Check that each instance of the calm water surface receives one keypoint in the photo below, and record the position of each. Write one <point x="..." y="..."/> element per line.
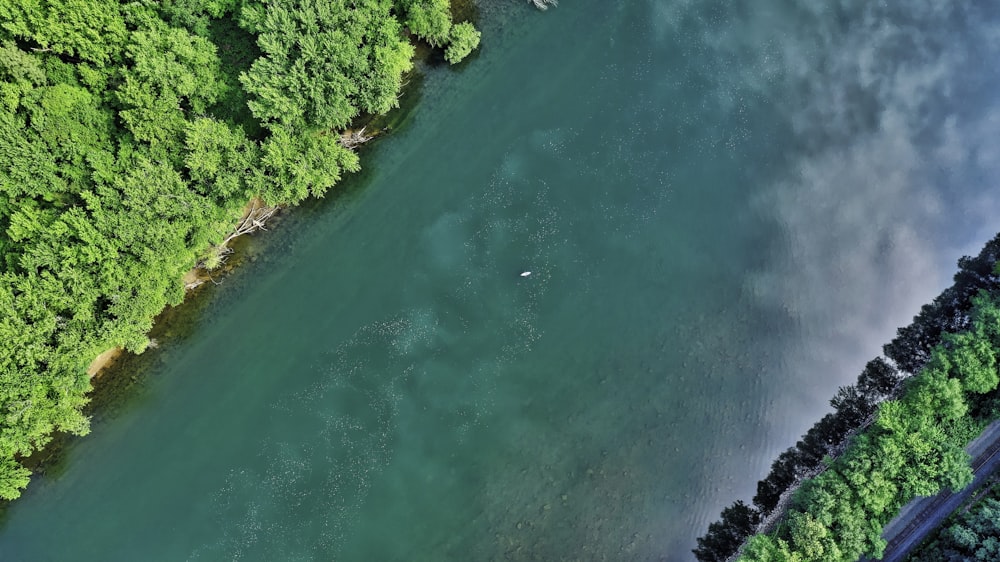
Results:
<point x="726" y="211"/>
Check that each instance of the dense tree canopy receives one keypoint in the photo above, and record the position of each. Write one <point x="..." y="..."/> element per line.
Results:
<point x="324" y="61"/>
<point x="88" y="30"/>
<point x="132" y="136"/>
<point x="464" y="40"/>
<point x="428" y="19"/>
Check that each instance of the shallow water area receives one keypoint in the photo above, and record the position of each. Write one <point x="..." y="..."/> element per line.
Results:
<point x="726" y="211"/>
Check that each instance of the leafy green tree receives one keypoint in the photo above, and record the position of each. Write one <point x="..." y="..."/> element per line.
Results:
<point x="986" y="318"/>
<point x="195" y="15"/>
<point x="324" y="63"/>
<point x="934" y="394"/>
<point x="173" y="78"/>
<point x="974" y="361"/>
<point x="219" y="158"/>
<point x="91" y="30"/>
<point x="430" y="20"/>
<point x="13" y="478"/>
<point x="20" y="73"/>
<point x="293" y="167"/>
<point x="171" y="60"/>
<point x="762" y="548"/>
<point x="464" y="40"/>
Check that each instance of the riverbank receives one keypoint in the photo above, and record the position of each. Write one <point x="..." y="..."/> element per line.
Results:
<point x="116" y="374"/>
<point x="255" y="214"/>
<point x="103" y="360"/>
<point x="92" y="267"/>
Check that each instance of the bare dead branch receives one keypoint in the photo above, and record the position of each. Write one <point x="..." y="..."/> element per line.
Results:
<point x="353" y="139"/>
<point x="544" y="4"/>
<point x="253" y="221"/>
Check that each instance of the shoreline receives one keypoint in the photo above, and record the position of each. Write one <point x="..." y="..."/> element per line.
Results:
<point x="103" y="361"/>
<point x="114" y="372"/>
<point x="255" y="213"/>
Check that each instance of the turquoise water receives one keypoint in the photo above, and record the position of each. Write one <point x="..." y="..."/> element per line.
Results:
<point x="726" y="211"/>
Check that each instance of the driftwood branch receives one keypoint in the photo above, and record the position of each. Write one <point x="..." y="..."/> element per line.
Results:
<point x="216" y="255"/>
<point x="402" y="89"/>
<point x="354" y="139"/>
<point x="253" y="221"/>
<point x="544" y="4"/>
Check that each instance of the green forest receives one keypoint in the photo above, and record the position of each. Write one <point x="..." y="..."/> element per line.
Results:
<point x="132" y="137"/>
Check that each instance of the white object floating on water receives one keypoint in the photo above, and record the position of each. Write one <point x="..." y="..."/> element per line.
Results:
<point x="525" y="273"/>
